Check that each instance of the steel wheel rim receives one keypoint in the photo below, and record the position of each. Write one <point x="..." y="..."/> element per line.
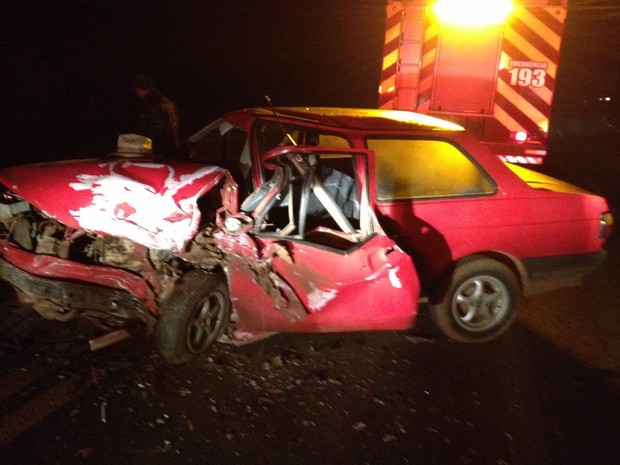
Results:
<point x="480" y="303"/>
<point x="205" y="322"/>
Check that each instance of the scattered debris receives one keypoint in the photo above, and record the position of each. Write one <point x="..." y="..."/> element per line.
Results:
<point x="108" y="339"/>
<point x="421" y="339"/>
<point x="102" y="412"/>
<point x="83" y="452"/>
<point x="276" y="362"/>
<point x="184" y="392"/>
<point x="359" y="426"/>
<point x="389" y="438"/>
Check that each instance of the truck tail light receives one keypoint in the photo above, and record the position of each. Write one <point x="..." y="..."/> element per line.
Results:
<point x="605" y="225"/>
<point x="522" y="136"/>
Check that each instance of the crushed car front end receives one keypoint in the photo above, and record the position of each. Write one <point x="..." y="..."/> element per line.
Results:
<point x="107" y="238"/>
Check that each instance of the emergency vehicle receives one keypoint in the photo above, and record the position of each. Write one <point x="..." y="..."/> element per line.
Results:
<point x="488" y="65"/>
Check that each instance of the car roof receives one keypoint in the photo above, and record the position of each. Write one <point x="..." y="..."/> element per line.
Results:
<point x="351" y="118"/>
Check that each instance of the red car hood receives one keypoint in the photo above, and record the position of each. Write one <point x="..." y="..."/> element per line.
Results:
<point x="153" y="202"/>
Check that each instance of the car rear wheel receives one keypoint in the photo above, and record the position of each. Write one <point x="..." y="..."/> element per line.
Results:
<point x="480" y="302"/>
<point x="193" y="317"/>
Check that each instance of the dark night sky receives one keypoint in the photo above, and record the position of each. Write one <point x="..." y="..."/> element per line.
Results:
<point x="67" y="65"/>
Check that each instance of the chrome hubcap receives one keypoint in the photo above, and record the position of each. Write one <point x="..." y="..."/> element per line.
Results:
<point x="480" y="303"/>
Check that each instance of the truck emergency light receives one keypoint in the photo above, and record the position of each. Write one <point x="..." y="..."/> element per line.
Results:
<point x="473" y="12"/>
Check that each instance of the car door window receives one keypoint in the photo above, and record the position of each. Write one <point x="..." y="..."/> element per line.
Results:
<point x="314" y="202"/>
<point x="227" y="146"/>
<point x="416" y="168"/>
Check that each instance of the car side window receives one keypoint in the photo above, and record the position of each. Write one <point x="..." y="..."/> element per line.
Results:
<point x="222" y="145"/>
<point x="309" y="200"/>
<point x="417" y="168"/>
<point x="226" y="146"/>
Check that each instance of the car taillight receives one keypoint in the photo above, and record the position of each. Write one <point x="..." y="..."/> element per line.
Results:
<point x="605" y="225"/>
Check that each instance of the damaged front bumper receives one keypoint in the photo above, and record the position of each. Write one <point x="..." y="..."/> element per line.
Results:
<point x="62" y="299"/>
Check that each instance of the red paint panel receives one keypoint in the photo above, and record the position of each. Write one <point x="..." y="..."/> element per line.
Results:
<point x="47" y="266"/>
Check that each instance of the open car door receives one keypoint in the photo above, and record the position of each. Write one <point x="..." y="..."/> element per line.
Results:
<point x="307" y="254"/>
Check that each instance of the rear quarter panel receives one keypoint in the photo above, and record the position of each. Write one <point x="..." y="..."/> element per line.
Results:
<point x="518" y="221"/>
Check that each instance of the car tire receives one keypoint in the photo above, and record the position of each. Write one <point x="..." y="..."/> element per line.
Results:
<point x="193" y="317"/>
<point x="480" y="302"/>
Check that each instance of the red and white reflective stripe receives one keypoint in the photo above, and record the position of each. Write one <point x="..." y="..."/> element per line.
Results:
<point x="536" y="152"/>
<point x="522" y="160"/>
<point x="531" y="38"/>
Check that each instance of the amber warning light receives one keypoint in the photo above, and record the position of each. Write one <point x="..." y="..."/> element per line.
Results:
<point x="473" y="12"/>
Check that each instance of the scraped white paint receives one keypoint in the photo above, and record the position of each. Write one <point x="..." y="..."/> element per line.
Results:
<point x="124" y="207"/>
<point x="392" y="276"/>
<point x="373" y="277"/>
<point x="394" y="279"/>
<point x="318" y="298"/>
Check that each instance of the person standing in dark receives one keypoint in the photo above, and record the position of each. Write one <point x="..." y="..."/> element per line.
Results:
<point x="157" y="116"/>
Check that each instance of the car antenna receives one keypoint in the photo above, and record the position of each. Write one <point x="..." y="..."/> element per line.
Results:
<point x="275" y="113"/>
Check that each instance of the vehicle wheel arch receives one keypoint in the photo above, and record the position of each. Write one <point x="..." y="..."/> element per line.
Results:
<point x="441" y="283"/>
<point x="193" y="315"/>
<point x="477" y="299"/>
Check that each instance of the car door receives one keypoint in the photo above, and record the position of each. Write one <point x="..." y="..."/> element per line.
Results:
<point x="308" y="253"/>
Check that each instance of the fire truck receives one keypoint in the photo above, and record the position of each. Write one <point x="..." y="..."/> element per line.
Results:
<point x="488" y="65"/>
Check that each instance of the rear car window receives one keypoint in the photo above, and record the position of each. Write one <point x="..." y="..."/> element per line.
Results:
<point x="415" y="168"/>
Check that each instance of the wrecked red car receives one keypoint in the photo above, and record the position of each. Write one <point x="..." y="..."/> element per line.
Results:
<point x="300" y="220"/>
<point x="166" y="242"/>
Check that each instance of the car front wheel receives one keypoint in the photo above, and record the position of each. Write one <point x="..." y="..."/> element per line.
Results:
<point x="194" y="316"/>
<point x="480" y="302"/>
